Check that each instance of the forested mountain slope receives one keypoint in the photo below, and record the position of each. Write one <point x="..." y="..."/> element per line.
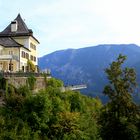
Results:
<point x="86" y="65"/>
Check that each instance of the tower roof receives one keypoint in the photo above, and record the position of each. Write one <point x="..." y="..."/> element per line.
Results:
<point x="22" y="29"/>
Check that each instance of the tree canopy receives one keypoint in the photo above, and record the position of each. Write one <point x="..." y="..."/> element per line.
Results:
<point x="54" y="115"/>
<point x="50" y="114"/>
<point x="119" y="115"/>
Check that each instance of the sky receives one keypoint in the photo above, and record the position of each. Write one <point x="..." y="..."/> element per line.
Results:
<point x="63" y="24"/>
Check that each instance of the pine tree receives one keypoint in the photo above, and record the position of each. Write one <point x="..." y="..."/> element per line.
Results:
<point x="119" y="114"/>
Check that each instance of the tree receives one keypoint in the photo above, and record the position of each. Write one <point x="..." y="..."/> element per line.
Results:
<point x="120" y="112"/>
<point x="31" y="66"/>
<point x="54" y="83"/>
<point x="48" y="114"/>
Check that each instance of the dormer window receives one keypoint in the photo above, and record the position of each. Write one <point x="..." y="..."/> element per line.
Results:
<point x="14" y="26"/>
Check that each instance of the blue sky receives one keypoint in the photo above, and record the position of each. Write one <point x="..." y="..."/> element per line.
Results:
<point x="62" y="24"/>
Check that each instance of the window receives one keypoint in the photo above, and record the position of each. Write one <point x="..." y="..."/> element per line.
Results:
<point x="31" y="57"/>
<point x="27" y="68"/>
<point x="10" y="66"/>
<point x="11" y="52"/>
<point x="32" y="46"/>
<point x="23" y="68"/>
<point x="27" y="56"/>
<point x="23" y="54"/>
<point x="34" y="58"/>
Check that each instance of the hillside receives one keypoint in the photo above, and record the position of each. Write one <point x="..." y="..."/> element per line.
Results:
<point x="86" y="65"/>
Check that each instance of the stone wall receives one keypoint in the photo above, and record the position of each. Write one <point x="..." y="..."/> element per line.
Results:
<point x="21" y="81"/>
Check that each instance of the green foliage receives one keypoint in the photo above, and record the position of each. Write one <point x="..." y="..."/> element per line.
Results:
<point x="54" y="115"/>
<point x="31" y="82"/>
<point x="54" y="83"/>
<point x="24" y="91"/>
<point x="2" y="82"/>
<point x="76" y="102"/>
<point x="31" y="66"/>
<point x="14" y="129"/>
<point x="50" y="114"/>
<point x="118" y="116"/>
<point x="67" y="126"/>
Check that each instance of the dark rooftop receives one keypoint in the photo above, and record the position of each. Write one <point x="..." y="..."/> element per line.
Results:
<point x="8" y="42"/>
<point x="22" y="29"/>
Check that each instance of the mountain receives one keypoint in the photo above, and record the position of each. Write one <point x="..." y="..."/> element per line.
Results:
<point x="87" y="65"/>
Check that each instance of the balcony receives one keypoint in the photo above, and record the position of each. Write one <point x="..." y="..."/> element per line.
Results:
<point x="9" y="57"/>
<point x="73" y="87"/>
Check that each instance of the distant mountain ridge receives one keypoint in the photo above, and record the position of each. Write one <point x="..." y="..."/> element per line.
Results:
<point x="86" y="65"/>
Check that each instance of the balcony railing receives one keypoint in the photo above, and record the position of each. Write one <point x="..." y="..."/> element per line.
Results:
<point x="73" y="87"/>
<point x="9" y="57"/>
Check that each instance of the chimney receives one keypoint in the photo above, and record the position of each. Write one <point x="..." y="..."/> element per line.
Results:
<point x="14" y="26"/>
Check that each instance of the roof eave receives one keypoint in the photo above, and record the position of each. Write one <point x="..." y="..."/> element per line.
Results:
<point x="35" y="39"/>
<point x="17" y="35"/>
